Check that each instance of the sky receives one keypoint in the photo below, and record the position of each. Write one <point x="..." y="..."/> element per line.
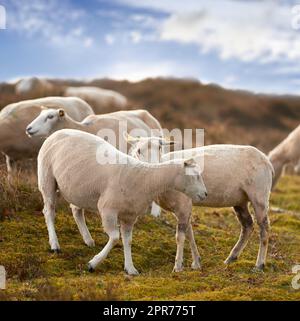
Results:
<point x="240" y="44"/>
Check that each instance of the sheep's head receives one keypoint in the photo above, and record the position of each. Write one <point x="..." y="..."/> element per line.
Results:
<point x="192" y="183"/>
<point x="48" y="121"/>
<point x="147" y="149"/>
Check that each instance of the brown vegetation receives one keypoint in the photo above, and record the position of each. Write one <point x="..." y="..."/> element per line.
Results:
<point x="228" y="116"/>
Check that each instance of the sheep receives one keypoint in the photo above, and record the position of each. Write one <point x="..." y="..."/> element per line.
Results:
<point x="34" y="87"/>
<point x="14" y="118"/>
<point x="139" y="121"/>
<point x="287" y="152"/>
<point x="100" y="99"/>
<point x="77" y="163"/>
<point x="234" y="175"/>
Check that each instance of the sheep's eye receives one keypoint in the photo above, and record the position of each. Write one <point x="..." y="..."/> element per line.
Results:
<point x="50" y="116"/>
<point x="139" y="151"/>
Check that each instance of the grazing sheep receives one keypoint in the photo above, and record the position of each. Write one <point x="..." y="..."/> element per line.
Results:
<point x="14" y="143"/>
<point x="234" y="176"/>
<point x="80" y="165"/>
<point x="35" y="87"/>
<point x="287" y="152"/>
<point x="101" y="100"/>
<point x="140" y="121"/>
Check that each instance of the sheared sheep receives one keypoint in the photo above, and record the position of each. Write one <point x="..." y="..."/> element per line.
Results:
<point x="100" y="99"/>
<point x="79" y="165"/>
<point x="234" y="176"/>
<point x="14" y="143"/>
<point x="34" y="87"/>
<point x="111" y="125"/>
<point x="287" y="152"/>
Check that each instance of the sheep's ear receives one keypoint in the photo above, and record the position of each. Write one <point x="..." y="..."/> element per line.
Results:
<point x="61" y="113"/>
<point x="130" y="139"/>
<point x="190" y="162"/>
<point x="44" y="107"/>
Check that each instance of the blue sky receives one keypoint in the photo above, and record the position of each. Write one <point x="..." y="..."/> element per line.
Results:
<point x="251" y="44"/>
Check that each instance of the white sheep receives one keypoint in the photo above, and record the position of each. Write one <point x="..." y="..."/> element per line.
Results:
<point x="77" y="163"/>
<point x="14" y="143"/>
<point x="100" y="99"/>
<point x="287" y="152"/>
<point x="234" y="176"/>
<point x="111" y="125"/>
<point x="34" y="87"/>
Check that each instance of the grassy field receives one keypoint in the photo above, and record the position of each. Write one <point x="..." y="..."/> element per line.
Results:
<point x="36" y="274"/>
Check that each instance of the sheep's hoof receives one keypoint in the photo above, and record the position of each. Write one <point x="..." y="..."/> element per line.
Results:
<point x="259" y="269"/>
<point x="90" y="243"/>
<point x="177" y="269"/>
<point x="56" y="251"/>
<point x="90" y="268"/>
<point x="230" y="259"/>
<point x="196" y="265"/>
<point x="132" y="271"/>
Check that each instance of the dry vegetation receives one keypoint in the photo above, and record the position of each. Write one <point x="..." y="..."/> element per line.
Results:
<point x="228" y="116"/>
<point x="235" y="117"/>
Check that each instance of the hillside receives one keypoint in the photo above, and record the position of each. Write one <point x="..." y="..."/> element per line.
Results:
<point x="228" y="116"/>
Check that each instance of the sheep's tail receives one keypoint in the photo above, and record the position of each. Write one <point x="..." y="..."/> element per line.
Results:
<point x="271" y="167"/>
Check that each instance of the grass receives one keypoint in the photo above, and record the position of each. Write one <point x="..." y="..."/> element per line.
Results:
<point x="33" y="273"/>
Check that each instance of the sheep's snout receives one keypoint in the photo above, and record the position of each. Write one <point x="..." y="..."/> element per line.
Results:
<point x="30" y="132"/>
<point x="202" y="196"/>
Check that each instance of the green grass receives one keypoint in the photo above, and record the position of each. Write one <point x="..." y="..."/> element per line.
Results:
<point x="36" y="274"/>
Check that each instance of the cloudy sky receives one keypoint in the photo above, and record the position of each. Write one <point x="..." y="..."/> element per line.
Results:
<point x="251" y="44"/>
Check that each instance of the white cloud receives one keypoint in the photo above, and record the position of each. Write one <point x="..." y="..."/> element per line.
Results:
<point x="135" y="36"/>
<point x="55" y="21"/>
<point x="246" y="30"/>
<point x="109" y="39"/>
<point x="135" y="71"/>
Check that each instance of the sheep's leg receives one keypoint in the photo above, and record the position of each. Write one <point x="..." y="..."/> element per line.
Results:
<point x="246" y="222"/>
<point x="47" y="187"/>
<point x="261" y="213"/>
<point x="110" y="226"/>
<point x="79" y="218"/>
<point x="195" y="253"/>
<point x="11" y="168"/>
<point x="180" y="238"/>
<point x="126" y="232"/>
<point x="49" y="214"/>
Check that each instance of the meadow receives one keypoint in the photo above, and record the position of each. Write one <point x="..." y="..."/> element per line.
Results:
<point x="36" y="274"/>
<point x="33" y="273"/>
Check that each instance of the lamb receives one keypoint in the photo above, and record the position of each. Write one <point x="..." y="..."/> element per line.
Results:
<point x="287" y="152"/>
<point x="77" y="163"/>
<point x="101" y="100"/>
<point x="234" y="176"/>
<point x="111" y="125"/>
<point x="14" y="118"/>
